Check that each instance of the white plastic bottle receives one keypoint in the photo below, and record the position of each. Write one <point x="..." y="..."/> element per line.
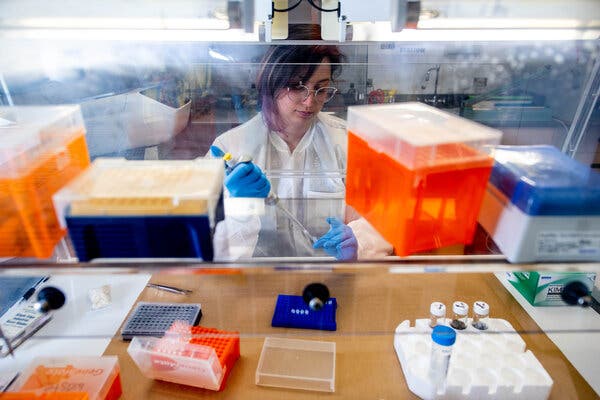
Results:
<point x="437" y="314"/>
<point x="460" y="317"/>
<point x="443" y="338"/>
<point x="481" y="314"/>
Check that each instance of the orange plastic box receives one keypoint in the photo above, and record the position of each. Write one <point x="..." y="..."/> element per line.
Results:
<point x="45" y="396"/>
<point x="189" y="355"/>
<point x="41" y="149"/>
<point x="418" y="174"/>
<point x="73" y="378"/>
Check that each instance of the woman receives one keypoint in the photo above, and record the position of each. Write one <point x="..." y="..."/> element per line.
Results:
<point x="291" y="133"/>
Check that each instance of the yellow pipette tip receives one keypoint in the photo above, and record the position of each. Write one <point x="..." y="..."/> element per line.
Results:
<point x="227" y="156"/>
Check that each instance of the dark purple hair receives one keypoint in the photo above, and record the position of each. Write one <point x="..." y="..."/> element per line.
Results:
<point x="283" y="65"/>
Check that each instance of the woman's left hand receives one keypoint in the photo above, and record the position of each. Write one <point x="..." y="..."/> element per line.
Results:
<point x="339" y="241"/>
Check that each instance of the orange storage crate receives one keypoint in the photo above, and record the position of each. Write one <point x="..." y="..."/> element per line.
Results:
<point x="417" y="174"/>
<point x="69" y="378"/>
<point x="41" y="149"/>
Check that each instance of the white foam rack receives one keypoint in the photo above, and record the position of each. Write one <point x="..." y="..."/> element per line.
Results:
<point x="490" y="364"/>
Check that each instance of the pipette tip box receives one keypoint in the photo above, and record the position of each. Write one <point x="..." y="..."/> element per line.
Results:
<point x="292" y="312"/>
<point x="417" y="173"/>
<point x="189" y="355"/>
<point x="41" y="149"/>
<point x="71" y="377"/>
<point x="541" y="205"/>
<point x="143" y="209"/>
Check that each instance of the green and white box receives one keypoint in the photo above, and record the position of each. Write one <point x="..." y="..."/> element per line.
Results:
<point x="545" y="288"/>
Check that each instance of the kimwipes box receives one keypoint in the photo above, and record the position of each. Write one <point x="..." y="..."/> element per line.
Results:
<point x="545" y="288"/>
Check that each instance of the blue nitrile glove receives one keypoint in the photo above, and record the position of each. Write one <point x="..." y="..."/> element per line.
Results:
<point x="247" y="180"/>
<point x="339" y="241"/>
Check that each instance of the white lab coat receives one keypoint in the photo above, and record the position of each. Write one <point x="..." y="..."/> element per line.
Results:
<point x="319" y="161"/>
<point x="322" y="149"/>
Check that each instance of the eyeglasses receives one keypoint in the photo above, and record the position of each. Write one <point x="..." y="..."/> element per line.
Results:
<point x="300" y="93"/>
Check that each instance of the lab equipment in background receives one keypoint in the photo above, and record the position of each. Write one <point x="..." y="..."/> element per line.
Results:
<point x="189" y="355"/>
<point x="159" y="209"/>
<point x="98" y="378"/>
<point x="460" y="315"/>
<point x="117" y="123"/>
<point x="24" y="320"/>
<point x="443" y="338"/>
<point x="507" y="111"/>
<point x="41" y="149"/>
<point x="154" y="319"/>
<point x="437" y="314"/>
<point x="481" y="315"/>
<point x="545" y="288"/>
<point x="417" y="174"/>
<point x="425" y="83"/>
<point x="541" y="205"/>
<point x="297" y="364"/>
<point x="351" y="96"/>
<point x="511" y="373"/>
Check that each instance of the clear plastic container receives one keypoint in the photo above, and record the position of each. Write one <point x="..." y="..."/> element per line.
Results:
<point x="41" y="149"/>
<point x="437" y="162"/>
<point x="297" y="364"/>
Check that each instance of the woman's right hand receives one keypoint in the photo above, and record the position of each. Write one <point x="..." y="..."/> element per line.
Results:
<point x="247" y="180"/>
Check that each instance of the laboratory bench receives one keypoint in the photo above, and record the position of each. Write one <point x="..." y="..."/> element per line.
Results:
<point x="373" y="299"/>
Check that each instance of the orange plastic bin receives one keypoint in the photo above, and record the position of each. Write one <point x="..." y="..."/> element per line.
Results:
<point x="41" y="149"/>
<point x="418" y="174"/>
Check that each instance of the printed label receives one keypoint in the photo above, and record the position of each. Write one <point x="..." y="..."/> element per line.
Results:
<point x="579" y="244"/>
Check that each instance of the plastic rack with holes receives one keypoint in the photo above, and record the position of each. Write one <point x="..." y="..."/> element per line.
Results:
<point x="189" y="355"/>
<point x="490" y="364"/>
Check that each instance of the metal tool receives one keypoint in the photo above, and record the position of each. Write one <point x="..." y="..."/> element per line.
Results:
<point x="8" y="343"/>
<point x="272" y="198"/>
<point x="171" y="289"/>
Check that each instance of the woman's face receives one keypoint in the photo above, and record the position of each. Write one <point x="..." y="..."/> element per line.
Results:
<point x="297" y="116"/>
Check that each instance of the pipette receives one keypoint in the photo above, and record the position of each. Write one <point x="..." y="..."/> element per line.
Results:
<point x="272" y="198"/>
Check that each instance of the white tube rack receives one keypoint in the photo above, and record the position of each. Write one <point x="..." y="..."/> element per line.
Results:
<point x="490" y="364"/>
